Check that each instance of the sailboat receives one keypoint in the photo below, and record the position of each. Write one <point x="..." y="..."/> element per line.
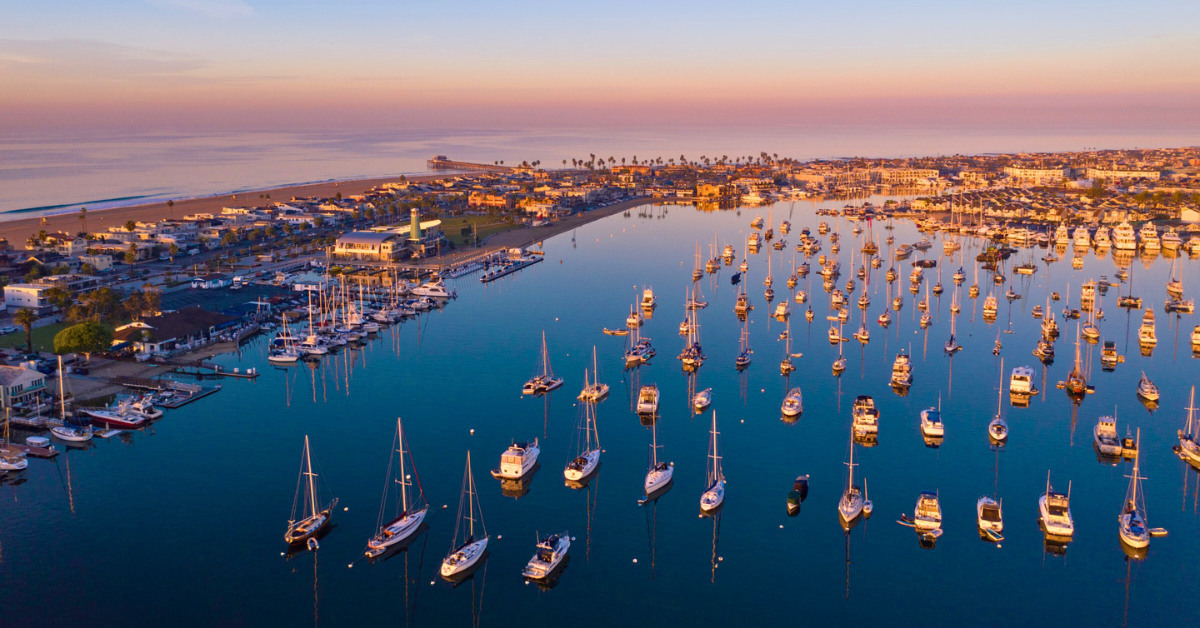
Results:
<point x="594" y="391"/>
<point x="658" y="478"/>
<point x="464" y="555"/>
<point x="714" y="495"/>
<point x="1132" y="521"/>
<point x="786" y="366"/>
<point x="952" y="344"/>
<point x="850" y="506"/>
<point x="587" y="443"/>
<point x="793" y="403"/>
<point x="407" y="512"/>
<point x="692" y="356"/>
<point x="311" y="521"/>
<point x="698" y="272"/>
<point x="1189" y="438"/>
<point x="1076" y="383"/>
<point x="544" y="381"/>
<point x="744" y="353"/>
<point x="998" y="428"/>
<point x="69" y="433"/>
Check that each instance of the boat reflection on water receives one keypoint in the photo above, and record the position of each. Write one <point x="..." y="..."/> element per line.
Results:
<point x="519" y="487"/>
<point x="1056" y="545"/>
<point x="552" y="579"/>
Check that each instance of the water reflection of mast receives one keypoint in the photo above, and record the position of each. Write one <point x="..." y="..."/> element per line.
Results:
<point x="652" y="531"/>
<point x="477" y="604"/>
<point x="593" y="497"/>
<point x="410" y="599"/>
<point x="716" y="521"/>
<point x="847" y="564"/>
<point x="316" y="596"/>
<point x="1074" y="418"/>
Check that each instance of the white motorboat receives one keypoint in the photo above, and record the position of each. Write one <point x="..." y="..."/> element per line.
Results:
<point x="1083" y="239"/>
<point x="649" y="302"/>
<point x="72" y="434"/>
<point x="400" y="513"/>
<point x="119" y="417"/>
<point x="1149" y="237"/>
<point x="793" y="403"/>
<point x="659" y="476"/>
<point x="1124" y="238"/>
<point x="989" y="514"/>
<point x="517" y="460"/>
<point x="587" y="443"/>
<point x="1062" y="235"/>
<point x="1055" y="511"/>
<point x="702" y="399"/>
<point x="1146" y="389"/>
<point x="635" y="318"/>
<point x="714" y="495"/>
<point x="902" y="371"/>
<point x="648" y="400"/>
<point x="1021" y="382"/>
<point x="466" y="554"/>
<point x="1131" y="523"/>
<point x="144" y="408"/>
<point x="931" y="423"/>
<point x="864" y="416"/>
<point x="435" y="289"/>
<point x="550" y="552"/>
<point x="928" y="513"/>
<point x="1170" y="239"/>
<point x="311" y="520"/>
<point x="1146" y="333"/>
<point x="1105" y="437"/>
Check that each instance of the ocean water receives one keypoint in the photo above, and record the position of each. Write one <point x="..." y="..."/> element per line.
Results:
<point x="182" y="524"/>
<point x="45" y="173"/>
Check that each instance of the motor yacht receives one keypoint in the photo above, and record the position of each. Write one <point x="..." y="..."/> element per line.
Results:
<point x="1021" y="382"/>
<point x="864" y="416"/>
<point x="1105" y="437"/>
<point x="517" y="460"/>
<point x="928" y="513"/>
<point x="989" y="514"/>
<point x="793" y="403"/>
<point x="647" y="402"/>
<point x="931" y="423"/>
<point x="1055" y="511"/>
<point x="902" y="371"/>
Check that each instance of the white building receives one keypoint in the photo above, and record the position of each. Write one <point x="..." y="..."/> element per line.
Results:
<point x="21" y="295"/>
<point x="1036" y="176"/>
<point x="19" y="384"/>
<point x="1118" y="174"/>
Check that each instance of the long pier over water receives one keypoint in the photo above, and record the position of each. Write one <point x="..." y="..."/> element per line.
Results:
<point x="441" y="162"/>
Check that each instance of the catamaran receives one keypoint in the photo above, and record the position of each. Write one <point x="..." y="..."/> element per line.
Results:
<point x="407" y="511"/>
<point x="465" y="555"/>
<point x="714" y="495"/>
<point x="311" y="520"/>
<point x="587" y="444"/>
<point x="544" y="381"/>
<point x="594" y="391"/>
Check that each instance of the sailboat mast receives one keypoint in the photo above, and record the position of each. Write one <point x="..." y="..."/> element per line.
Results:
<point x="470" y="496"/>
<point x="312" y="492"/>
<point x="400" y="449"/>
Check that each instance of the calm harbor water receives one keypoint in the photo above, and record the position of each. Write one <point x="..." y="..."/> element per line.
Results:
<point x="182" y="524"/>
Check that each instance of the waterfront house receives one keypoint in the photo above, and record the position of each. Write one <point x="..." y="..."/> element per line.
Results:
<point x="171" y="331"/>
<point x="19" y="385"/>
<point x="27" y="295"/>
<point x="212" y="281"/>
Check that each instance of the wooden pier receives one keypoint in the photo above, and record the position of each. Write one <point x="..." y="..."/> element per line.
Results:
<point x="32" y="452"/>
<point x="442" y="163"/>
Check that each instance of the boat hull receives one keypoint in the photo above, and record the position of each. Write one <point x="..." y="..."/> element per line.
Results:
<point x="713" y="498"/>
<point x="395" y="532"/>
<point x="464" y="558"/>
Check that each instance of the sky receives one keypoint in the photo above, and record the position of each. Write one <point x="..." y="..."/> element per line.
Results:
<point x="291" y="64"/>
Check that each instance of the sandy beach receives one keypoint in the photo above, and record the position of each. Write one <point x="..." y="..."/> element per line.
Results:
<point x="17" y="231"/>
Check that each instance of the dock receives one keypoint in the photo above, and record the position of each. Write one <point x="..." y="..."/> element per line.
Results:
<point x="32" y="452"/>
<point x="509" y="268"/>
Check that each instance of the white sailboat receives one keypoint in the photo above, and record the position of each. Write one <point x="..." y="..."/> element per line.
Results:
<point x="587" y="446"/>
<point x="658" y="478"/>
<point x="714" y="495"/>
<point x="311" y="520"/>
<point x="407" y="512"/>
<point x="998" y="428"/>
<point x="69" y="433"/>
<point x="793" y="403"/>
<point x="850" y="506"/>
<point x="1132" y="520"/>
<point x="465" y="555"/>
<point x="1189" y="438"/>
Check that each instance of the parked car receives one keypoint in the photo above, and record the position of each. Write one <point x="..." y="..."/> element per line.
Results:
<point x="7" y="329"/>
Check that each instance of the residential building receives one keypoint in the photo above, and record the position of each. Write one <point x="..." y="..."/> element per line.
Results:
<point x="26" y="295"/>
<point x="19" y="384"/>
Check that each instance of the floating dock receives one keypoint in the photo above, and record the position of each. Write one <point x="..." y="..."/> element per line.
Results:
<point x="508" y="269"/>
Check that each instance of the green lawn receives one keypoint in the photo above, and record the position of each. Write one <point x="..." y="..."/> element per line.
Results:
<point x="43" y="337"/>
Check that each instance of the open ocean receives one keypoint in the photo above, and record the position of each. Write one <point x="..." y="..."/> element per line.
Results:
<point x="48" y="174"/>
<point x="181" y="524"/>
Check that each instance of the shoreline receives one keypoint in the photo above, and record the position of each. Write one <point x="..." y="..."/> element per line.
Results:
<point x="17" y="230"/>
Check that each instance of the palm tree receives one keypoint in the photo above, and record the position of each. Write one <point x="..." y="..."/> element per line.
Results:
<point x="130" y="226"/>
<point x="26" y="317"/>
<point x="171" y="208"/>
<point x="83" y="218"/>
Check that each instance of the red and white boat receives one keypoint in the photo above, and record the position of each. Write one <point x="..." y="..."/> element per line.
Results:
<point x="115" y="418"/>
